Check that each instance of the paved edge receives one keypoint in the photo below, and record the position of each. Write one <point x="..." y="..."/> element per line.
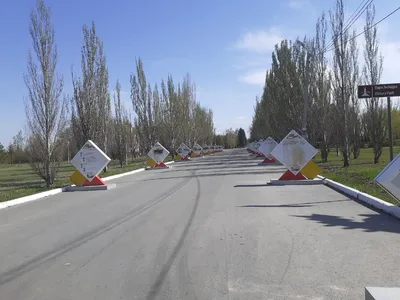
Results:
<point x="364" y="197"/>
<point x="56" y="191"/>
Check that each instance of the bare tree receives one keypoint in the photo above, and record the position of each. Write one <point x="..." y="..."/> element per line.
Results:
<point x="342" y="77"/>
<point x="170" y="116"/>
<point x="45" y="112"/>
<point x="133" y="140"/>
<point x="91" y="104"/>
<point x="141" y="102"/>
<point x="230" y="139"/>
<point x="354" y="109"/>
<point x="157" y="114"/>
<point x="374" y="117"/>
<point x="121" y="127"/>
<point x="321" y="88"/>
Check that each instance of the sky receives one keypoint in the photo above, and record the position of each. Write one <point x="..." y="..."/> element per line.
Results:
<point x="225" y="45"/>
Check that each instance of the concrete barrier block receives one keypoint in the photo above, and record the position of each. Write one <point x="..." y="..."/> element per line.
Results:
<point x="382" y="293"/>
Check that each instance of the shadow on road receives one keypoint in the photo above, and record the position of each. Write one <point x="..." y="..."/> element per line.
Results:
<point x="218" y="167"/>
<point x="370" y="223"/>
<point x="276" y="206"/>
<point x="253" y="185"/>
<point x="216" y="163"/>
<point x="214" y="174"/>
<point x="305" y="204"/>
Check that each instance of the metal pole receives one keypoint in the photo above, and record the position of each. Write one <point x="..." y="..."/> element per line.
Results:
<point x="390" y="128"/>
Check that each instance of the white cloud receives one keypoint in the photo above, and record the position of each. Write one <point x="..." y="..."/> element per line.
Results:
<point x="249" y="61"/>
<point x="296" y="4"/>
<point x="241" y="118"/>
<point x="259" y="41"/>
<point x="254" y="77"/>
<point x="256" y="47"/>
<point x="391" y="61"/>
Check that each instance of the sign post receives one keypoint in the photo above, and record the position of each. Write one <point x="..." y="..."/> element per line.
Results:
<point x="265" y="149"/>
<point x="389" y="107"/>
<point x="156" y="155"/>
<point x="379" y="91"/>
<point x="197" y="150"/>
<point x="295" y="153"/>
<point x="182" y="153"/>
<point x="89" y="161"/>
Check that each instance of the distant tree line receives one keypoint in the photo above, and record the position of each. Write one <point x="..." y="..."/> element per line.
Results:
<point x="231" y="138"/>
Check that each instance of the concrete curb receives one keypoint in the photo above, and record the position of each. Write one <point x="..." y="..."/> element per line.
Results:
<point x="296" y="182"/>
<point x="56" y="191"/>
<point x="363" y="197"/>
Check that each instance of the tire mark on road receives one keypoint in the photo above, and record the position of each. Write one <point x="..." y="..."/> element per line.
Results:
<point x="290" y="255"/>
<point x="155" y="288"/>
<point x="84" y="238"/>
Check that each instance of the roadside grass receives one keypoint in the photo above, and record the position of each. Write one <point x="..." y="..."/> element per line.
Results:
<point x="361" y="173"/>
<point x="19" y="180"/>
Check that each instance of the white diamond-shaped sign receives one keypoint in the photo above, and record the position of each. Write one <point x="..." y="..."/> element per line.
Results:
<point x="183" y="150"/>
<point x="158" y="153"/>
<point x="197" y="149"/>
<point x="389" y="178"/>
<point x="90" y="160"/>
<point x="294" y="152"/>
<point x="267" y="147"/>
<point x="257" y="145"/>
<point x="251" y="146"/>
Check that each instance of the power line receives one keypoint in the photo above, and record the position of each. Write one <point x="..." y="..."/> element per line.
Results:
<point x="362" y="10"/>
<point x="353" y="18"/>
<point x="356" y="10"/>
<point x="346" y="25"/>
<point x="372" y="26"/>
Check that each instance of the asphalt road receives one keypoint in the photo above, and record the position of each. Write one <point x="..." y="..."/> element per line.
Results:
<point x="206" y="229"/>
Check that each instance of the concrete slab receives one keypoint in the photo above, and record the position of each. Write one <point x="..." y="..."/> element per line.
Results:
<point x="158" y="168"/>
<point x="382" y="293"/>
<point x="89" y="188"/>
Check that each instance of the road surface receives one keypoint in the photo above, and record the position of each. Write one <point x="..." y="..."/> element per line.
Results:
<point x="206" y="229"/>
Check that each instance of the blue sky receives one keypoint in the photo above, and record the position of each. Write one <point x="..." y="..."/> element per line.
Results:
<point x="225" y="45"/>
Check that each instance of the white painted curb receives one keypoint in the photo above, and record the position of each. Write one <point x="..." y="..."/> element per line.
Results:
<point x="60" y="190"/>
<point x="363" y="197"/>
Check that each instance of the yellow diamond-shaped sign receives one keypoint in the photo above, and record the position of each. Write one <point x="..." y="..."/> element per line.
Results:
<point x="311" y="170"/>
<point x="77" y="178"/>
<point x="151" y="163"/>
